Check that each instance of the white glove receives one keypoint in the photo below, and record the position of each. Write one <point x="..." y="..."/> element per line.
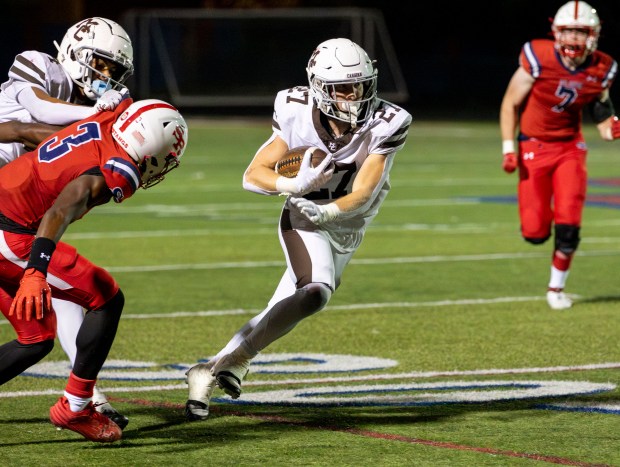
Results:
<point x="308" y="178"/>
<point x="316" y="213"/>
<point x="110" y="99"/>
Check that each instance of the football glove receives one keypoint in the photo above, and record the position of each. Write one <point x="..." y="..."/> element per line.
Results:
<point x="316" y="213"/>
<point x="510" y="162"/>
<point x="34" y="296"/>
<point x="110" y="99"/>
<point x="308" y="178"/>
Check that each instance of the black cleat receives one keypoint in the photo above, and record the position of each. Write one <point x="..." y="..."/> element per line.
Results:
<point x="113" y="415"/>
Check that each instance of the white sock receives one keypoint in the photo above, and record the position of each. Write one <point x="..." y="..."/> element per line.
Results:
<point x="76" y="404"/>
<point x="558" y="278"/>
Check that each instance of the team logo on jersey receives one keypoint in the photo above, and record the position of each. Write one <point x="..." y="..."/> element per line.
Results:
<point x="117" y="193"/>
<point x="125" y="169"/>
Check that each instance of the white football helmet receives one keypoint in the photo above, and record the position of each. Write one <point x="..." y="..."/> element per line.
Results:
<point x="576" y="15"/>
<point x="343" y="62"/>
<point x="154" y="134"/>
<point x="96" y="38"/>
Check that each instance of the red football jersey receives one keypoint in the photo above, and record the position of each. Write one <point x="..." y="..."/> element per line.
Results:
<point x="31" y="183"/>
<point x="553" y="110"/>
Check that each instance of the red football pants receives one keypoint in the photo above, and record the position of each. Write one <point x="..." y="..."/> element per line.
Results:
<point x="552" y="185"/>
<point x="70" y="276"/>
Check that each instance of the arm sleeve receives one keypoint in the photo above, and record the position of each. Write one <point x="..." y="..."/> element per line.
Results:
<point x="54" y="113"/>
<point x="601" y="110"/>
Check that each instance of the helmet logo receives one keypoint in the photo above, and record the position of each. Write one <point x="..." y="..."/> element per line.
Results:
<point x="312" y="61"/>
<point x="354" y="75"/>
<point x="84" y="27"/>
<point x="178" y="135"/>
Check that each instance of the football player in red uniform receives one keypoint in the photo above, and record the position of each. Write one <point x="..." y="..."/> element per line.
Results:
<point x="107" y="156"/>
<point x="555" y="81"/>
<point x="94" y="59"/>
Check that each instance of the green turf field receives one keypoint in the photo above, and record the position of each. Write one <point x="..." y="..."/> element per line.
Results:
<point x="438" y="349"/>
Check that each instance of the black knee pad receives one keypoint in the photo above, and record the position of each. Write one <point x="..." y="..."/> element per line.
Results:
<point x="536" y="241"/>
<point x="566" y="238"/>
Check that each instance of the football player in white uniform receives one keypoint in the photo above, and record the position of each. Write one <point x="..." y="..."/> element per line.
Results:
<point x="327" y="208"/>
<point x="94" y="59"/>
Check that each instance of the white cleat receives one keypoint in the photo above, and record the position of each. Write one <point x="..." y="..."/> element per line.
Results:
<point x="558" y="300"/>
<point x="229" y="371"/>
<point x="201" y="385"/>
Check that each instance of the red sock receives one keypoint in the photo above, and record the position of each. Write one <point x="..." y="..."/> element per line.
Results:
<point x="561" y="261"/>
<point x="80" y="387"/>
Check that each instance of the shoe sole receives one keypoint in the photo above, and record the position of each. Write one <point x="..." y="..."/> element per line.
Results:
<point x="196" y="411"/>
<point x="229" y="383"/>
<point x="112" y="437"/>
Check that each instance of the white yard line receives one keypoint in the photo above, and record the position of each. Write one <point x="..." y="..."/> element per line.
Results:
<point x="345" y="379"/>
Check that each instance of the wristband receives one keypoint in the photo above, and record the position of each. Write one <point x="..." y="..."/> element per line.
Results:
<point x="41" y="254"/>
<point x="332" y="211"/>
<point x="286" y="185"/>
<point x="508" y="146"/>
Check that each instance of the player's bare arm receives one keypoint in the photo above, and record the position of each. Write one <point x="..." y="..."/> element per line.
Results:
<point x="261" y="171"/>
<point x="364" y="185"/>
<point x="33" y="298"/>
<point x="75" y="200"/>
<point x="28" y="134"/>
<point x="519" y="87"/>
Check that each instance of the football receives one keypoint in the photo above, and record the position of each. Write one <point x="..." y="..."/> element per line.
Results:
<point x="288" y="165"/>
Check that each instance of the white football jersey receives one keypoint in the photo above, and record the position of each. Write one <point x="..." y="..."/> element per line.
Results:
<point x="30" y="69"/>
<point x="297" y="121"/>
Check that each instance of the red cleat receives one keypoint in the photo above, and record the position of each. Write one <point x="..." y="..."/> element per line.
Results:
<point x="88" y="422"/>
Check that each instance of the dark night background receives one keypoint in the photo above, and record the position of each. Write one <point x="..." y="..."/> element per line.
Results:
<point x="456" y="57"/>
